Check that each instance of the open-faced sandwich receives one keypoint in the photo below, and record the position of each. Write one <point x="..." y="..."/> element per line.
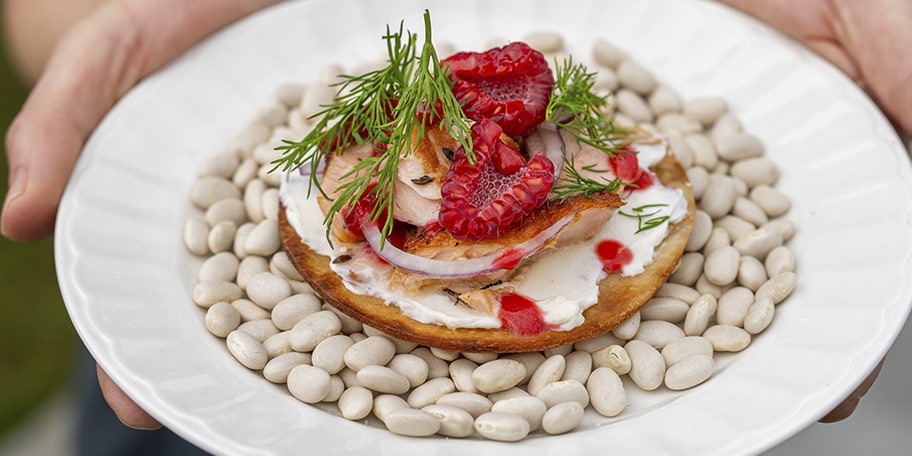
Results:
<point x="482" y="203"/>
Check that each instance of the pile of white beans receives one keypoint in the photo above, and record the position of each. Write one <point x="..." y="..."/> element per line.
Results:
<point x="734" y="272"/>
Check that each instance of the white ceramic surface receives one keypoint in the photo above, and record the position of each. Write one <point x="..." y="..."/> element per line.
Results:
<point x="127" y="279"/>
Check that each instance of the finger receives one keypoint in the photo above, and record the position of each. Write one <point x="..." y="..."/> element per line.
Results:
<point x="94" y="65"/>
<point x="126" y="410"/>
<point x="847" y="407"/>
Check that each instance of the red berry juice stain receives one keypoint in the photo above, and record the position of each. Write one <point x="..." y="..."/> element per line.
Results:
<point x="613" y="255"/>
<point x="509" y="259"/>
<point x="521" y="316"/>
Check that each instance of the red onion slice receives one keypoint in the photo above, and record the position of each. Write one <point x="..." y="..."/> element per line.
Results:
<point x="546" y="139"/>
<point x="461" y="269"/>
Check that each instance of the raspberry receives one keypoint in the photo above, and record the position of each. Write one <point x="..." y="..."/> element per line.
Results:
<point x="478" y="200"/>
<point x="510" y="85"/>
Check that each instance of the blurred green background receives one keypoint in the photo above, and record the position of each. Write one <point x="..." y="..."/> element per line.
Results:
<point x="37" y="341"/>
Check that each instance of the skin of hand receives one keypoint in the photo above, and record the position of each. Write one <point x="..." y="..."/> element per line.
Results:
<point x="869" y="42"/>
<point x="92" y="66"/>
<point x="124" y="40"/>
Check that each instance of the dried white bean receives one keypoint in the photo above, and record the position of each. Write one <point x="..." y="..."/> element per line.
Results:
<point x="647" y="366"/>
<point x="221" y="266"/>
<point x="614" y="357"/>
<point x="688" y="270"/>
<point x="607" y="54"/>
<point x="635" y="77"/>
<point x="454" y="422"/>
<point x="461" y="372"/>
<point x="226" y="209"/>
<point x="430" y="391"/>
<point x="733" y="305"/>
<point x="222" y="318"/>
<point x="249" y="267"/>
<point x="336" y="388"/>
<point x="278" y="344"/>
<point x="411" y="422"/>
<point x="196" y="236"/>
<point x="677" y="291"/>
<point x="278" y="368"/>
<point x="780" y="259"/>
<point x="699" y="315"/>
<point x="738" y="146"/>
<point x="411" y="367"/>
<point x="246" y="349"/>
<point x="249" y="311"/>
<point x="749" y="211"/>
<point x="633" y="105"/>
<point x="208" y="189"/>
<point x="504" y="427"/>
<point x="563" y="350"/>
<point x="531" y="408"/>
<point x="267" y="289"/>
<point x="253" y="200"/>
<point x="270" y="203"/>
<point x="312" y="329"/>
<point x="474" y="403"/>
<point x="719" y="198"/>
<point x="309" y="384"/>
<point x="436" y="366"/>
<point x="759" y="316"/>
<point x="356" y="403"/>
<point x="259" y="329"/>
<point x="373" y="351"/>
<point x="240" y="238"/>
<point x="550" y="371"/>
<point x="735" y="227"/>
<point x="220" y="165"/>
<point x="386" y="403"/>
<point x="606" y="392"/>
<point x="706" y="110"/>
<point x="701" y="232"/>
<point x="664" y="100"/>
<point x="778" y="287"/>
<point x="727" y="338"/>
<point x="773" y="202"/>
<point x="498" y="375"/>
<point x="563" y="391"/>
<point x="289" y="311"/>
<point x="688" y="346"/>
<point x="668" y="309"/>
<point x="598" y="343"/>
<point x="544" y="41"/>
<point x="658" y="333"/>
<point x="480" y="358"/>
<point x="629" y="328"/>
<point x="245" y="173"/>
<point x="689" y="372"/>
<point x="578" y="366"/>
<point x="562" y="418"/>
<point x="508" y="394"/>
<point x="758" y="243"/>
<point x="221" y="236"/>
<point x="704" y="286"/>
<point x="263" y="239"/>
<point x="328" y="354"/>
<point x="751" y="273"/>
<point x="703" y="151"/>
<point x="209" y="292"/>
<point x="383" y="380"/>
<point x="721" y="265"/>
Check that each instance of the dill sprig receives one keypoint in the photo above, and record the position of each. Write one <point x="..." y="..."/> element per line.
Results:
<point x="576" y="107"/>
<point x="644" y="222"/>
<point x="382" y="108"/>
<point x="572" y="182"/>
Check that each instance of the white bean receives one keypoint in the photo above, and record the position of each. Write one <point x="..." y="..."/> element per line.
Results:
<point x="222" y="318"/>
<point x="504" y="427"/>
<point x="727" y="338"/>
<point x="544" y="41"/>
<point x="658" y="333"/>
<point x="606" y="392"/>
<point x="529" y="407"/>
<point x="454" y="422"/>
<point x="732" y="306"/>
<point x="759" y="316"/>
<point x="702" y="230"/>
<point x="689" y="372"/>
<point x="246" y="349"/>
<point x="430" y="391"/>
<point x="703" y="151"/>
<point x="706" y="110"/>
<point x="289" y="311"/>
<point x="209" y="292"/>
<point x="607" y="54"/>
<point x="221" y="236"/>
<point x="411" y="422"/>
<point x="778" y="287"/>
<point x="635" y="77"/>
<point x="578" y="366"/>
<point x="221" y="266"/>
<point x="250" y="266"/>
<point x="436" y="366"/>
<point x="780" y="259"/>
<point x="226" y="209"/>
<point x="267" y="289"/>
<point x="667" y="309"/>
<point x="356" y="403"/>
<point x="614" y="357"/>
<point x="735" y="227"/>
<point x="221" y="165"/>
<point x="208" y="189"/>
<point x="312" y="329"/>
<point x="738" y="146"/>
<point x="758" y="243"/>
<point x="411" y="367"/>
<point x="751" y="273"/>
<point x="749" y="211"/>
<point x="373" y="351"/>
<point x="689" y="269"/>
<point x="253" y="200"/>
<point x="196" y="236"/>
<point x="721" y="265"/>
<point x="386" y="403"/>
<point x="498" y="375"/>
<point x="680" y="349"/>
<point x="249" y="311"/>
<point x="755" y="171"/>
<point x="383" y="380"/>
<point x="548" y="372"/>
<point x="699" y="315"/>
<point x="562" y="418"/>
<point x="633" y="105"/>
<point x="328" y="354"/>
<point x="308" y="384"/>
<point x="630" y="326"/>
<point x="461" y="372"/>
<point x="773" y="202"/>
<point x="263" y="239"/>
<point x="647" y="367"/>
<point x="720" y="196"/>
<point x="563" y="391"/>
<point x="278" y="368"/>
<point x="259" y="329"/>
<point x="474" y="403"/>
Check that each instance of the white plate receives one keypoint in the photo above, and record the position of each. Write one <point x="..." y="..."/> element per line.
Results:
<point x="127" y="279"/>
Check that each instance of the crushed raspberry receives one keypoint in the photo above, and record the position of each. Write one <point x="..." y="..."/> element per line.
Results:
<point x="510" y="85"/>
<point x="478" y="200"/>
<point x="625" y="165"/>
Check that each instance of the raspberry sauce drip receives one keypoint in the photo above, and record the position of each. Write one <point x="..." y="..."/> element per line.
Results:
<point x="521" y="316"/>
<point x="613" y="255"/>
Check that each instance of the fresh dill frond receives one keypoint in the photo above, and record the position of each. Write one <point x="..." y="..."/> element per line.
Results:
<point x="381" y="108"/>
<point x="644" y="222"/>
<point x="576" y="107"/>
<point x="572" y="183"/>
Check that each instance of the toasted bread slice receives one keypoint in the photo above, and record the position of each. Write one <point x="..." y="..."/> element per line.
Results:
<point x="619" y="297"/>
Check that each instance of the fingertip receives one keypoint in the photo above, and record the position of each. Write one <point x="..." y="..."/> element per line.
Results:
<point x="127" y="411"/>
